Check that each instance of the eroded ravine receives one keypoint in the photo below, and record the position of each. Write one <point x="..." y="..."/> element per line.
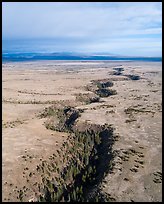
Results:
<point x="89" y="156"/>
<point x="74" y="174"/>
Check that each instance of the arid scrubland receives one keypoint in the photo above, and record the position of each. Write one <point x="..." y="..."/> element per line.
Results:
<point x="82" y="131"/>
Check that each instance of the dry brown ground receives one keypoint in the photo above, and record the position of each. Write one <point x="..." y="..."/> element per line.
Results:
<point x="30" y="87"/>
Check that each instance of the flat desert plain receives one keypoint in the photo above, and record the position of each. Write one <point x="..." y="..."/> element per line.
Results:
<point x="133" y="109"/>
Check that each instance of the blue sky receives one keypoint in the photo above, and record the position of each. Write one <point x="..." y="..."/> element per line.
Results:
<point x="124" y="28"/>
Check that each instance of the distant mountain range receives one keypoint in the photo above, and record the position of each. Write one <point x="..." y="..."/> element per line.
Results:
<point x="30" y="56"/>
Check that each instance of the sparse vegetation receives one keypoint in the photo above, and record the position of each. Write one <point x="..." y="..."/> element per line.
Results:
<point x="105" y="92"/>
<point x="12" y="123"/>
<point x="118" y="70"/>
<point x="133" y="77"/>
<point x="87" y="98"/>
<point x="117" y="73"/>
<point x="132" y="110"/>
<point x="104" y="83"/>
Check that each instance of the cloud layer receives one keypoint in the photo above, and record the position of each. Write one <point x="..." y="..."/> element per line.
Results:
<point x="123" y="28"/>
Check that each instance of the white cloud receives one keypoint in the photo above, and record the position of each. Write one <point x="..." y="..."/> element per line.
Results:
<point x="128" y="47"/>
<point x="90" y="22"/>
<point x="71" y="19"/>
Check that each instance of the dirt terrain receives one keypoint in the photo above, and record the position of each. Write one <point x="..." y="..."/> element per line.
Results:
<point x="125" y="95"/>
